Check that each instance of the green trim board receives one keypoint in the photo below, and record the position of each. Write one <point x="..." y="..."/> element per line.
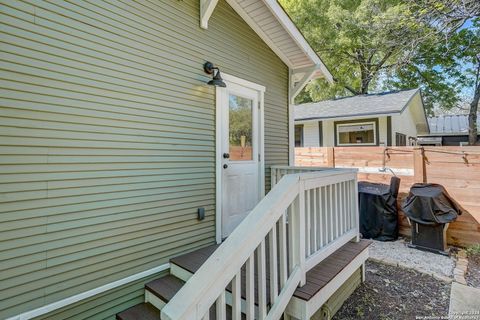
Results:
<point x="374" y="120"/>
<point x="108" y="140"/>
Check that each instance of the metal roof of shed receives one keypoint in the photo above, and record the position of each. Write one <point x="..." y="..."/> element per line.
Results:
<point x="449" y="124"/>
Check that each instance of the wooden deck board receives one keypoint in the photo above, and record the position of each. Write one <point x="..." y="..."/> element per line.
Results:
<point x="326" y="270"/>
<point x="317" y="277"/>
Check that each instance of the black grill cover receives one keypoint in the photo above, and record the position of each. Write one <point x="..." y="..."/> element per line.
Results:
<point x="378" y="211"/>
<point x="430" y="204"/>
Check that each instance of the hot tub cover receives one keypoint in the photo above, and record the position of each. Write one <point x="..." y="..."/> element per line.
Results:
<point x="430" y="204"/>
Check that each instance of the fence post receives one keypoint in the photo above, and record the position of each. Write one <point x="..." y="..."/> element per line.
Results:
<point x="331" y="157"/>
<point x="419" y="170"/>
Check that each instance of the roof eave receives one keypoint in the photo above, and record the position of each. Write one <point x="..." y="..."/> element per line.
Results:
<point x="282" y="17"/>
<point x="356" y="116"/>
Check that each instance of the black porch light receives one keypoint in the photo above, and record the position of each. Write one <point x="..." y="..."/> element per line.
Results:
<point x="217" y="80"/>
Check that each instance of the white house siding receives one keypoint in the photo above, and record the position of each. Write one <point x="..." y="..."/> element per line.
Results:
<point x="382" y="128"/>
<point x="404" y="123"/>
<point x="311" y="134"/>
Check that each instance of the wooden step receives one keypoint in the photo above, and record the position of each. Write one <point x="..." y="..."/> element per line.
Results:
<point x="165" y="288"/>
<point x="144" y="311"/>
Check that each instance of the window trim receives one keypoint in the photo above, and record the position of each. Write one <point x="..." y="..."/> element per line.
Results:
<point x="302" y="137"/>
<point x="400" y="139"/>
<point x="373" y="121"/>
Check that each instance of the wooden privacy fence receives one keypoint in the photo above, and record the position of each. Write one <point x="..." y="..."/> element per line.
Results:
<point x="456" y="168"/>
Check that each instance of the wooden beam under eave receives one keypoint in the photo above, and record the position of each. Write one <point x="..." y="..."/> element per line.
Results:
<point x="307" y="76"/>
<point x="206" y="10"/>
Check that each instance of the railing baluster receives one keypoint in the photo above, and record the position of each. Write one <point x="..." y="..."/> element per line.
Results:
<point x="352" y="198"/>
<point x="221" y="307"/>
<point x="236" y="297"/>
<point x="290" y="237"/>
<point x="314" y="220"/>
<point x="249" y="288"/>
<point x="282" y="238"/>
<point x="273" y="265"/>
<point x="346" y="206"/>
<point x="342" y="209"/>
<point x="337" y="210"/>
<point x="330" y="214"/>
<point x="321" y="213"/>
<point x="262" y="281"/>
<point x="307" y="224"/>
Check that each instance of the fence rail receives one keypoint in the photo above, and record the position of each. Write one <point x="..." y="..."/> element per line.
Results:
<point x="302" y="220"/>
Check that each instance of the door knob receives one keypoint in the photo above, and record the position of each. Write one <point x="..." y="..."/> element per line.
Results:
<point x="226" y="156"/>
<point x="225" y="166"/>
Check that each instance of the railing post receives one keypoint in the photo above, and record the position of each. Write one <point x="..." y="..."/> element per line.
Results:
<point x="273" y="176"/>
<point x="301" y="231"/>
<point x="356" y="214"/>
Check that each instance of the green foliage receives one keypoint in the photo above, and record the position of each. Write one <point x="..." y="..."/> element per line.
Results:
<point x="359" y="40"/>
<point x="379" y="45"/>
<point x="240" y="120"/>
<point x="473" y="250"/>
<point x="445" y="70"/>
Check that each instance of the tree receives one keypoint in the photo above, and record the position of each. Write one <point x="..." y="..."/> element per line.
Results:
<point x="373" y="45"/>
<point x="360" y="40"/>
<point x="448" y="72"/>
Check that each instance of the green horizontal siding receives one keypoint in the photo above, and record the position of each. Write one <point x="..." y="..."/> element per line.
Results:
<point x="107" y="142"/>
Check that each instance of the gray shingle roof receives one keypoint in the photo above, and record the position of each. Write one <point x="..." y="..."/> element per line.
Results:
<point x="370" y="104"/>
<point x="449" y="124"/>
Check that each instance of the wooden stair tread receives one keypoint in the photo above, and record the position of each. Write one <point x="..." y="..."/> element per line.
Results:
<point x="320" y="275"/>
<point x="165" y="288"/>
<point x="144" y="311"/>
<point x="192" y="261"/>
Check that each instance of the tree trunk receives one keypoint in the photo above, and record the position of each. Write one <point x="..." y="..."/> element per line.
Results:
<point x="472" y="118"/>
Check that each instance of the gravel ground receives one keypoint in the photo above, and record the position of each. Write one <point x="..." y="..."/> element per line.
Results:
<point x="391" y="292"/>
<point x="397" y="253"/>
<point x="473" y="274"/>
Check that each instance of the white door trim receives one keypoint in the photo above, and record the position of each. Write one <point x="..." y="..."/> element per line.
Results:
<point x="229" y="79"/>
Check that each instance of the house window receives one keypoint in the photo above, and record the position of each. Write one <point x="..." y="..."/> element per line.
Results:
<point x="400" y="139"/>
<point x="299" y="135"/>
<point x="361" y="133"/>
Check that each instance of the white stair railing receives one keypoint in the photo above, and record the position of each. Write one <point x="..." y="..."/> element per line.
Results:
<point x="301" y="221"/>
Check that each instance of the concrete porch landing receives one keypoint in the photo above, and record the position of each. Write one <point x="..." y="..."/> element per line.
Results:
<point x="464" y="302"/>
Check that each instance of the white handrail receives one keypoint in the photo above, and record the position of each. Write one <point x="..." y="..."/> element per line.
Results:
<point x="291" y="198"/>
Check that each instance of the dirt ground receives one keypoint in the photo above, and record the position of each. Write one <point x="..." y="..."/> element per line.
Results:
<point x="473" y="273"/>
<point x="396" y="293"/>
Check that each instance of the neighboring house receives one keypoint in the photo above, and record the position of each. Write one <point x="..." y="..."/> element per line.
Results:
<point x="447" y="130"/>
<point x="386" y="119"/>
<point x="117" y="156"/>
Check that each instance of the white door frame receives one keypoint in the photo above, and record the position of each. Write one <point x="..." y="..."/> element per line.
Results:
<point x="229" y="79"/>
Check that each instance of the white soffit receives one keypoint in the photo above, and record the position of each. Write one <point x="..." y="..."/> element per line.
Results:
<point x="268" y="19"/>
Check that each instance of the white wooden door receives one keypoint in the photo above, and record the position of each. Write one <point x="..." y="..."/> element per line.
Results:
<point x="240" y="154"/>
